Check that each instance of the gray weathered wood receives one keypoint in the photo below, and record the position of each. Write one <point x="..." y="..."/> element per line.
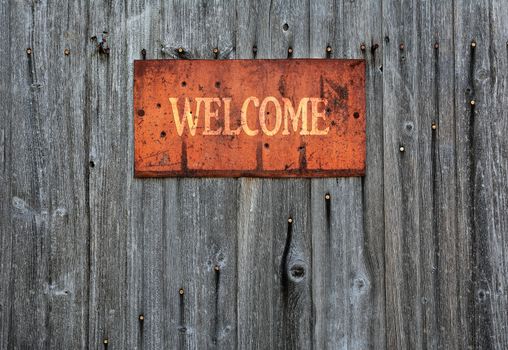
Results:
<point x="411" y="256"/>
<point x="348" y="275"/>
<point x="44" y="217"/>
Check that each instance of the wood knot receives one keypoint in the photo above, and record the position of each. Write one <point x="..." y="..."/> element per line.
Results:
<point x="297" y="272"/>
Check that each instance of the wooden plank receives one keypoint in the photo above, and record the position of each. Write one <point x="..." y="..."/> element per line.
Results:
<point x="110" y="180"/>
<point x="348" y="227"/>
<point x="274" y="298"/>
<point x="401" y="177"/>
<point x="44" y="216"/>
<point x="436" y="151"/>
<point x="493" y="165"/>
<point x="6" y="327"/>
<point x="146" y="263"/>
<point x="481" y="167"/>
<point x="200" y="214"/>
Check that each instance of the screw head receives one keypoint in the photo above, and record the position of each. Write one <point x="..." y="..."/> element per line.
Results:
<point x="28" y="51"/>
<point x="402" y="149"/>
<point x="67" y="52"/>
<point x="290" y="220"/>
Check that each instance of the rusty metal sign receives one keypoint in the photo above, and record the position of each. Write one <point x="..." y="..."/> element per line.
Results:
<point x="259" y="118"/>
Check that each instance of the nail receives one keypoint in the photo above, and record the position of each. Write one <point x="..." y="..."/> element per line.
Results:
<point x="290" y="220"/>
<point x="473" y="102"/>
<point x="362" y="47"/>
<point x="473" y="44"/>
<point x="327" y="196"/>
<point x="328" y="48"/>
<point x="28" y="51"/>
<point x="434" y="126"/>
<point x="181" y="291"/>
<point x="402" y="149"/>
<point x="67" y="52"/>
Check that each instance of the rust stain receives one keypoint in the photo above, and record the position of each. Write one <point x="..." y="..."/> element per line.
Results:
<point x="257" y="118"/>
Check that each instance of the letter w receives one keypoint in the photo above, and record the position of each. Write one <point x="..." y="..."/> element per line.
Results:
<point x="192" y="121"/>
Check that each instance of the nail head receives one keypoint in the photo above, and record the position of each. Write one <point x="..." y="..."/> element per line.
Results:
<point x="67" y="52"/>
<point x="216" y="268"/>
<point x="327" y="196"/>
<point x="402" y="149"/>
<point x="436" y="45"/>
<point x="181" y="291"/>
<point x="180" y="49"/>
<point x="215" y="50"/>
<point x="328" y="49"/>
<point x="290" y="50"/>
<point x="362" y="47"/>
<point x="105" y="341"/>
<point x="434" y="126"/>
<point x="290" y="220"/>
<point x="141" y="317"/>
<point x="473" y="44"/>
<point x="401" y="46"/>
<point x="473" y="102"/>
<point x="28" y="51"/>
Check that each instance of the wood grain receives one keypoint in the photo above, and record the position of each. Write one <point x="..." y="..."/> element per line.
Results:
<point x="413" y="255"/>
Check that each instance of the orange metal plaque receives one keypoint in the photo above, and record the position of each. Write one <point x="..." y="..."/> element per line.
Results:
<point x="261" y="118"/>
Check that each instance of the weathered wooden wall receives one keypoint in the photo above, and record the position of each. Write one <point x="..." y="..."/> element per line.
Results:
<point x="412" y="256"/>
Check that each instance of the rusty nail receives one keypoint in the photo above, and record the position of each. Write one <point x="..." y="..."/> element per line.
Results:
<point x="216" y="268"/>
<point x="67" y="52"/>
<point x="473" y="44"/>
<point x="327" y="196"/>
<point x="290" y="220"/>
<point x="401" y="46"/>
<point x="180" y="50"/>
<point x="434" y="126"/>
<point x="362" y="47"/>
<point x="141" y="317"/>
<point x="28" y="51"/>
<point x="436" y="45"/>
<point x="105" y="341"/>
<point x="181" y="291"/>
<point x="290" y="50"/>
<point x="402" y="149"/>
<point x="473" y="102"/>
<point x="328" y="48"/>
